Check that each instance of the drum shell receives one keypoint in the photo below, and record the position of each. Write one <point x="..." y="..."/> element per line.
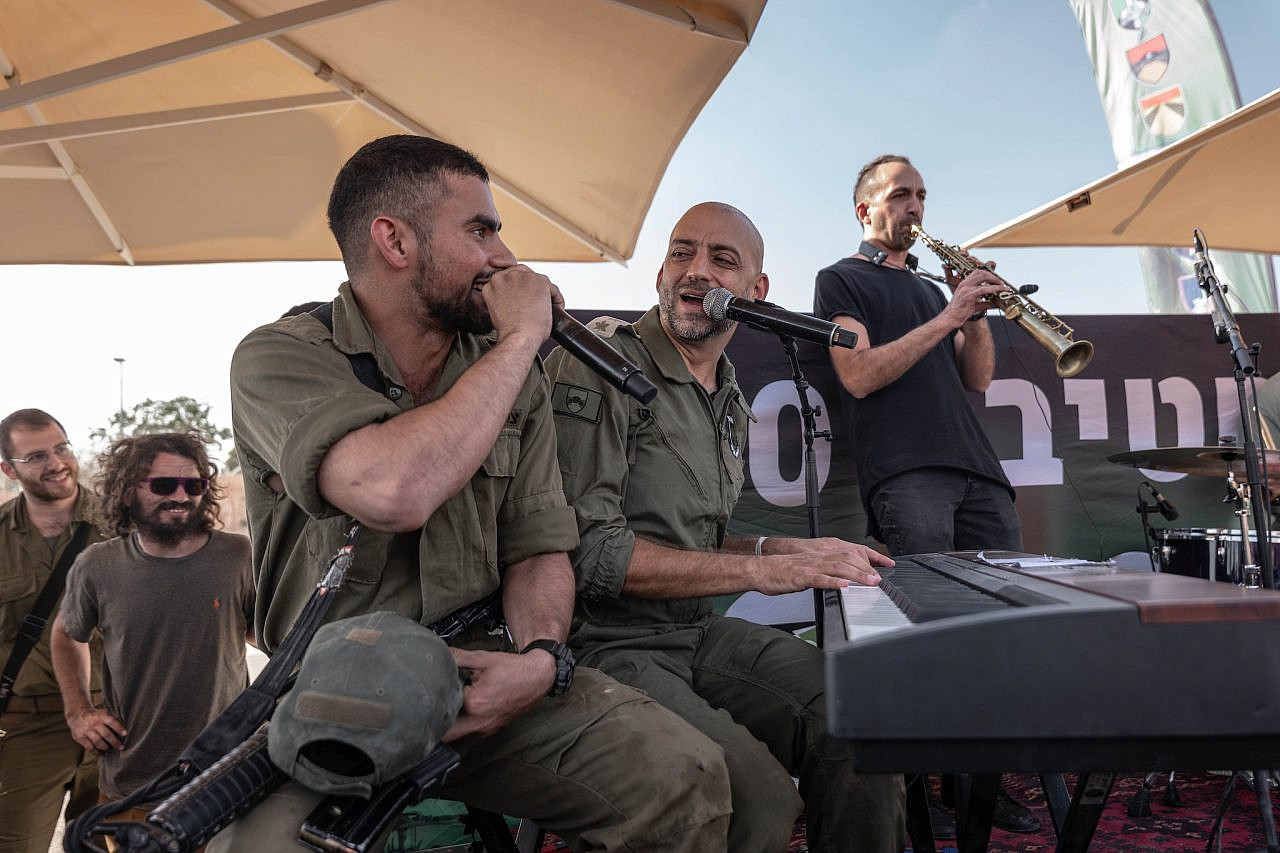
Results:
<point x="1211" y="553"/>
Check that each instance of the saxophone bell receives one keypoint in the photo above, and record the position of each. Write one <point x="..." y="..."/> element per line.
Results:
<point x="1069" y="355"/>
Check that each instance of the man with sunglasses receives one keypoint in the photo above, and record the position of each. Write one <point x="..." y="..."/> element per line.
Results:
<point x="173" y="599"/>
<point x="40" y="763"/>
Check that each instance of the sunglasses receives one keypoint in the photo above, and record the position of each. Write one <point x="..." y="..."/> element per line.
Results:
<point x="194" y="486"/>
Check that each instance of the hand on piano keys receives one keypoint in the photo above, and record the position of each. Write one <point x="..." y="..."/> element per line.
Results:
<point x="790" y="565"/>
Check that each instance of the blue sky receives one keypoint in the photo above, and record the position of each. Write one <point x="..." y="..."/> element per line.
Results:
<point x="994" y="100"/>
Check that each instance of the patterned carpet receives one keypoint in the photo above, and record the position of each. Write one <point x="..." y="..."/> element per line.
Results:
<point x="1184" y="827"/>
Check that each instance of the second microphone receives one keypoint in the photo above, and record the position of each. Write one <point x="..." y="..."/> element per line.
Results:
<point x="610" y="365"/>
<point x="720" y="304"/>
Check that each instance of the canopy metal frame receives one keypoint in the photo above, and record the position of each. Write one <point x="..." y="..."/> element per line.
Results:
<point x="273" y="29"/>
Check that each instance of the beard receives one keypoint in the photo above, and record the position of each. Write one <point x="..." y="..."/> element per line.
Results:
<point x="37" y="488"/>
<point x="688" y="329"/>
<point x="167" y="530"/>
<point x="459" y="312"/>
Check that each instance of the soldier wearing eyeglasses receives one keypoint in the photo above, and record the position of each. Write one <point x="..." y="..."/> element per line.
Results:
<point x="173" y="599"/>
<point x="40" y="763"/>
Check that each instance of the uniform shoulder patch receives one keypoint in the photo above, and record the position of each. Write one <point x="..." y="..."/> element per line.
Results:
<point x="576" y="402"/>
<point x="606" y="326"/>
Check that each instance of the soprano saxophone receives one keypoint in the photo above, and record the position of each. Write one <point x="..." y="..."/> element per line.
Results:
<point x="1069" y="355"/>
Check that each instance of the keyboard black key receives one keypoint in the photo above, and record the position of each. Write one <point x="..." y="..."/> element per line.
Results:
<point x="924" y="594"/>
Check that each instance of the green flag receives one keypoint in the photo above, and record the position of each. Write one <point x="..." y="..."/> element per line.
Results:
<point x="1163" y="73"/>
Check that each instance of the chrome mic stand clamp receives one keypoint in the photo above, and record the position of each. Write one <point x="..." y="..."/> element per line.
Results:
<point x="1238" y="494"/>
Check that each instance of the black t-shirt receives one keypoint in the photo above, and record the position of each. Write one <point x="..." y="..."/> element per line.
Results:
<point x="923" y="418"/>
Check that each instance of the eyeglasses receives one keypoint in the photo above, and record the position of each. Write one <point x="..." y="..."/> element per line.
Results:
<point x="194" y="486"/>
<point x="41" y="457"/>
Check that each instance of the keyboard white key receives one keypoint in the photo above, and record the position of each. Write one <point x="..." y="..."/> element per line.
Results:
<point x="869" y="611"/>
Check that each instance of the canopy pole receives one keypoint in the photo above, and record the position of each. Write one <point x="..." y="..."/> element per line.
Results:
<point x="177" y="51"/>
<point x="165" y="118"/>
<point x="70" y="170"/>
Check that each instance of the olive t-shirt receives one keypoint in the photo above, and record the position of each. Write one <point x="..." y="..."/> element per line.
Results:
<point x="173" y="632"/>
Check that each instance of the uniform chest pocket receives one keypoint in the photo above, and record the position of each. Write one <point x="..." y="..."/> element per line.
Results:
<point x="16" y="585"/>
<point x="324" y="536"/>
<point x="647" y="422"/>
<point x="504" y="456"/>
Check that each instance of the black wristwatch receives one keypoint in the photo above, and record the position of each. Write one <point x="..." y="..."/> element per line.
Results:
<point x="565" y="663"/>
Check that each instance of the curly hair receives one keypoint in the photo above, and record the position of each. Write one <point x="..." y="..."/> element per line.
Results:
<point x="123" y="465"/>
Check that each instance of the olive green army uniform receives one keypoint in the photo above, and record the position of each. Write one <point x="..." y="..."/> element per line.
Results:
<point x="671" y="472"/>
<point x="39" y="760"/>
<point x="603" y="766"/>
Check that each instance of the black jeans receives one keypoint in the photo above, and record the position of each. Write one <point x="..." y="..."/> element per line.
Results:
<point x="927" y="510"/>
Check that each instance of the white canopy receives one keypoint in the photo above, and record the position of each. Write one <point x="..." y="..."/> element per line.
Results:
<point x="1223" y="179"/>
<point x="170" y="131"/>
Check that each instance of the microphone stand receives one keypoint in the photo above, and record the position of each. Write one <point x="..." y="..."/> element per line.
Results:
<point x="809" y="418"/>
<point x="917" y="804"/>
<point x="1227" y="331"/>
<point x="1145" y="509"/>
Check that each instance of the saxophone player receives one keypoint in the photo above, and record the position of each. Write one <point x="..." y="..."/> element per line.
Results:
<point x="929" y="478"/>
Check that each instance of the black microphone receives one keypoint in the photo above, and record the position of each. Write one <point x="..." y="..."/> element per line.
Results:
<point x="1197" y="239"/>
<point x="720" y="304"/>
<point x="1204" y="267"/>
<point x="1166" y="509"/>
<point x="586" y="346"/>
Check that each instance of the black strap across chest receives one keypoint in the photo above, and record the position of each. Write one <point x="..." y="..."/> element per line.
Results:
<point x="363" y="364"/>
<point x="34" y="624"/>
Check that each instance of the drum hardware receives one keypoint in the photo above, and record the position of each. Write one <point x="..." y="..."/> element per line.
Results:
<point x="1140" y="802"/>
<point x="1227" y="331"/>
<point x="1251" y="573"/>
<point x="1228" y="461"/>
<point x="1254" y="465"/>
<point x="1144" y="510"/>
<point x="1207" y="552"/>
<point x="1212" y="554"/>
<point x="1201" y="461"/>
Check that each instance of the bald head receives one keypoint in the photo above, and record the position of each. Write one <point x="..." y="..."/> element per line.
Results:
<point x="713" y="245"/>
<point x="728" y="227"/>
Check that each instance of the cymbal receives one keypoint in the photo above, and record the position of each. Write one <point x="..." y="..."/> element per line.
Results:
<point x="1201" y="461"/>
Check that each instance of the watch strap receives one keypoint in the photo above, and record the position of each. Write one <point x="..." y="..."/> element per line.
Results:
<point x="565" y="662"/>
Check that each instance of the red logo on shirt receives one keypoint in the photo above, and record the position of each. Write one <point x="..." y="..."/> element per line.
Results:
<point x="217" y="603"/>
